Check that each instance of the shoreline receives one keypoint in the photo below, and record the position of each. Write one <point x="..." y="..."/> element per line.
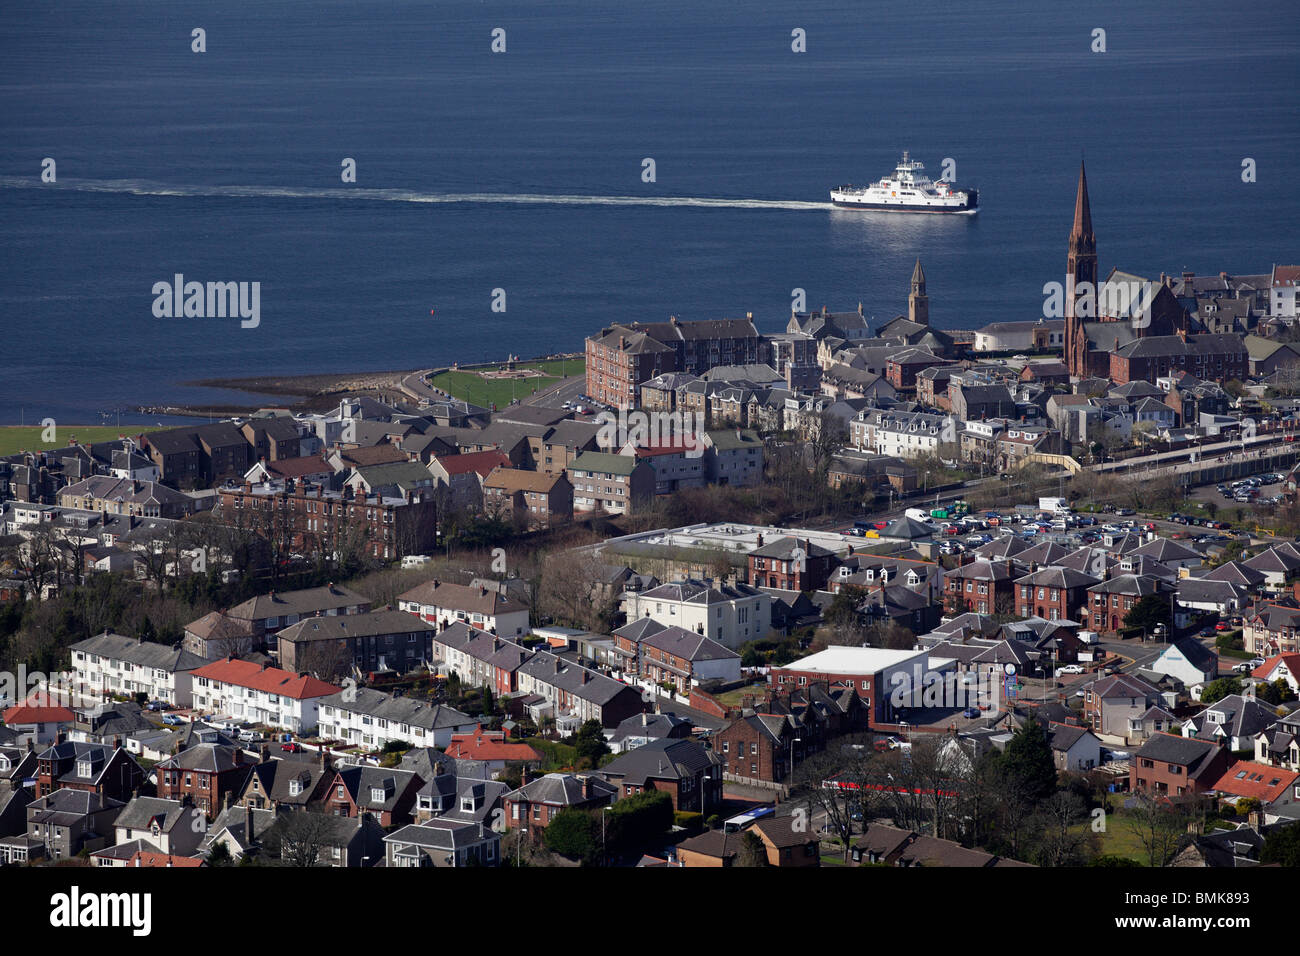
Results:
<point x="316" y="392"/>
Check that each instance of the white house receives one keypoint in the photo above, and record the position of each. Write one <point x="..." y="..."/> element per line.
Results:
<point x="1074" y="749"/>
<point x="116" y="664"/>
<point x="245" y="690"/>
<point x="372" y="718"/>
<point x="728" y="614"/>
<point x="1187" y="660"/>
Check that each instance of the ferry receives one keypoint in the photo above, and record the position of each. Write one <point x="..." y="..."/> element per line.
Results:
<point x="908" y="190"/>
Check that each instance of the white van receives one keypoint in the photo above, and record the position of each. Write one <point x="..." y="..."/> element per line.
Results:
<point x="917" y="514"/>
<point x="414" y="561"/>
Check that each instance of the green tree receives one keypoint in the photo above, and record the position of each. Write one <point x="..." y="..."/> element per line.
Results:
<point x="1149" y="611"/>
<point x="636" y="822"/>
<point x="575" y="834"/>
<point x="1216" y="690"/>
<point x="219" y="855"/>
<point x="590" y="742"/>
<point x="1028" y="758"/>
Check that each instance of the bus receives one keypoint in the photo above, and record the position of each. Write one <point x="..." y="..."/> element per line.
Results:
<point x="739" y="822"/>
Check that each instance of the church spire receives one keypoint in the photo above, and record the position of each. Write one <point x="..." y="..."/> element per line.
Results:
<point x="1082" y="231"/>
<point x="1081" y="274"/>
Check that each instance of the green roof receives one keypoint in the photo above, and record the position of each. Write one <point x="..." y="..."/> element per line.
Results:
<point x="725" y="439"/>
<point x="603" y="462"/>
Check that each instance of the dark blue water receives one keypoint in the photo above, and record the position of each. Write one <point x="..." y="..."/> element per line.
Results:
<point x="224" y="166"/>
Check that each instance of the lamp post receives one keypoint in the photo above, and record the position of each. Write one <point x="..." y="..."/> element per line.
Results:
<point x="604" y="853"/>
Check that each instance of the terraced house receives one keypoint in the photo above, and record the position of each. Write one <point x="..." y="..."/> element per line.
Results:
<point x="116" y="664"/>
<point x="255" y="692"/>
<point x="127" y="496"/>
<point x="369" y="718"/>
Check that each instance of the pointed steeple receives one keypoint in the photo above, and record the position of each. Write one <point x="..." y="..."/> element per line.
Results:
<point x="918" y="274"/>
<point x="1082" y="211"/>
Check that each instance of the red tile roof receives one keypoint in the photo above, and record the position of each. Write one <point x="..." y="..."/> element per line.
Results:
<point x="1292" y="662"/>
<point x="488" y="745"/>
<point x="147" y="858"/>
<point x="31" y="714"/>
<point x="1261" y="781"/>
<point x="269" y="679"/>
<point x="481" y="462"/>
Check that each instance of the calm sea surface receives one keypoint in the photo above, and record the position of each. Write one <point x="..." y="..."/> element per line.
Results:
<point x="522" y="171"/>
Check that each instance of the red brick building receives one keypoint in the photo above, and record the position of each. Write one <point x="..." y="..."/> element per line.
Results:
<point x="984" y="586"/>
<point x="1177" y="766"/>
<point x="310" y="519"/>
<point x="205" y="774"/>
<point x="1056" y="594"/>
<point x="92" y="768"/>
<point x="791" y="564"/>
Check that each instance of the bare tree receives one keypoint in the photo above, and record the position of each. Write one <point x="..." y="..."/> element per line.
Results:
<point x="567" y="592"/>
<point x="1158" y="825"/>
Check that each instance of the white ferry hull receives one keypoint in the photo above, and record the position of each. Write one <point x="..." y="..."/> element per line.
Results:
<point x="968" y="205"/>
<point x="908" y="190"/>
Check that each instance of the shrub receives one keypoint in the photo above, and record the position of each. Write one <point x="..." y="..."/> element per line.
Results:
<point x="692" y="823"/>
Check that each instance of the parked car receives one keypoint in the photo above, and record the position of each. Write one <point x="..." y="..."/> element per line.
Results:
<point x="292" y="748"/>
<point x="970" y="712"/>
<point x="1257" y="662"/>
<point x="171" y="720"/>
<point x="1070" y="669"/>
<point x="1242" y="668"/>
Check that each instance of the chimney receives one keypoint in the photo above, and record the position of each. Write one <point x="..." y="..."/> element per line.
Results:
<point x="586" y="675"/>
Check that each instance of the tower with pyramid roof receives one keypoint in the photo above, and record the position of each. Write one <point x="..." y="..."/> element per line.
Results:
<point x="918" y="303"/>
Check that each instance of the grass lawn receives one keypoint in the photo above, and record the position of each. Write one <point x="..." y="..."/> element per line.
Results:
<point x="732" y="697"/>
<point x="15" y="438"/>
<point x="473" y="388"/>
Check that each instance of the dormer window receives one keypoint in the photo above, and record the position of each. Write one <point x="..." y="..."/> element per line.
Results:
<point x="84" y="768"/>
<point x="295" y="788"/>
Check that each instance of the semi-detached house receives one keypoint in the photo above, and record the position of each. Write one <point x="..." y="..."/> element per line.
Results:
<point x="443" y="604"/>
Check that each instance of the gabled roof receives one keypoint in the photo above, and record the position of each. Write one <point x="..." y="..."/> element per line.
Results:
<point x="141" y="653"/>
<point x="663" y="759"/>
<point x="272" y="680"/>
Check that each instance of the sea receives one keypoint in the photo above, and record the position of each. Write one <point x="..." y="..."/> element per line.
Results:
<point x="527" y="172"/>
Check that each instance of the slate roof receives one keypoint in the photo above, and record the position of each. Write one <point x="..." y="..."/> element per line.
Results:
<point x="663" y="759"/>
<point x="141" y="653"/>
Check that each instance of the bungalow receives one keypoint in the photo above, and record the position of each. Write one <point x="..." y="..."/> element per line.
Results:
<point x="1233" y="722"/>
<point x="536" y="803"/>
<point x="688" y="772"/>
